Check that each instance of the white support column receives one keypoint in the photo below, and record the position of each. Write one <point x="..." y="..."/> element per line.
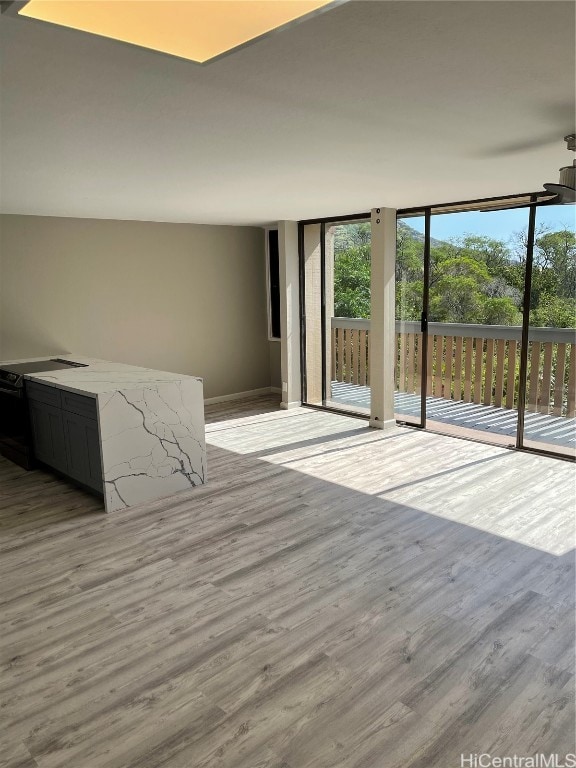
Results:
<point x="382" y="325"/>
<point x="313" y="304"/>
<point x="289" y="313"/>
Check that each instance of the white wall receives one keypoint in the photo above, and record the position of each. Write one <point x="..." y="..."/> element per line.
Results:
<point x="180" y="297"/>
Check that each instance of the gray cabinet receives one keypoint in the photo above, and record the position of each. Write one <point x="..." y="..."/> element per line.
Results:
<point x="48" y="434"/>
<point x="65" y="433"/>
<point x="83" y="449"/>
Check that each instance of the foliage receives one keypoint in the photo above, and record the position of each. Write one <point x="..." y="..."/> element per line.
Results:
<point x="555" y="312"/>
<point x="352" y="283"/>
<point x="473" y="279"/>
<point x="352" y="270"/>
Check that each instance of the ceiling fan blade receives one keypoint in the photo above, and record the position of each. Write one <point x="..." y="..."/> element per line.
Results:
<point x="552" y="114"/>
<point x="516" y="147"/>
<point x="557" y="113"/>
<point x="563" y="193"/>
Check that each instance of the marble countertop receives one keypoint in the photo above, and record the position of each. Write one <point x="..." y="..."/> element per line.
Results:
<point x="100" y="376"/>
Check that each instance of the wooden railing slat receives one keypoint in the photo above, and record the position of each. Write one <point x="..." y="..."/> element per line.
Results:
<point x="511" y="378"/>
<point x="341" y="355"/>
<point x="342" y="349"/>
<point x="396" y="362"/>
<point x="418" y="340"/>
<point x="357" y="357"/>
<point x="438" y="360"/>
<point x="559" y="375"/>
<point x="362" y="354"/>
<point x="532" y="384"/>
<point x="571" y="395"/>
<point x="350" y="371"/>
<point x="410" y="366"/>
<point x="367" y="358"/>
<point x="544" y="398"/>
<point x="429" y="364"/>
<point x="344" y="354"/>
<point x="333" y="356"/>
<point x="458" y="369"/>
<point x="402" y="364"/>
<point x="478" y="366"/>
<point x="488" y="372"/>
<point x="447" y="375"/>
<point x="335" y="352"/>
<point x="354" y="357"/>
<point x="499" y="383"/>
<point x="468" y="370"/>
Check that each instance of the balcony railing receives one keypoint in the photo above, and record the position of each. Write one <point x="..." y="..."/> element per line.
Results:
<point x="470" y="363"/>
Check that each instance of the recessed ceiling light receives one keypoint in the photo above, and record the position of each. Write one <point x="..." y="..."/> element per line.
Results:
<point x="199" y="30"/>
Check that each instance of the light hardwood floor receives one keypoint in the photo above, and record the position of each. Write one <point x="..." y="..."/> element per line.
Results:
<point x="333" y="597"/>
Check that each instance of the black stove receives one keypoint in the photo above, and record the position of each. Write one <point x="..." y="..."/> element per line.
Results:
<point x="12" y="373"/>
<point x="15" y="433"/>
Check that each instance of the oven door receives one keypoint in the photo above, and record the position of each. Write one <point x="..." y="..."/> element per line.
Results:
<point x="15" y="442"/>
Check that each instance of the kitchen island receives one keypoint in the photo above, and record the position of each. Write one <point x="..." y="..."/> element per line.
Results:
<point x="149" y="426"/>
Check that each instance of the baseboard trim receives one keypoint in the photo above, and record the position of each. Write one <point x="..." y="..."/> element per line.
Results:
<point x="241" y="395"/>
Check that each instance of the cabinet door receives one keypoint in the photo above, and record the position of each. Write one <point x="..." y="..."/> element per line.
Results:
<point x="83" y="450"/>
<point x="48" y="435"/>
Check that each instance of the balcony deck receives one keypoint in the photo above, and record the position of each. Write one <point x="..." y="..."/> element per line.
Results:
<point x="497" y="424"/>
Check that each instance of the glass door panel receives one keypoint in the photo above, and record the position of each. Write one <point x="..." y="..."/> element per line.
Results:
<point x="477" y="272"/>
<point x="408" y="374"/>
<point x="347" y="247"/>
<point x="549" y="419"/>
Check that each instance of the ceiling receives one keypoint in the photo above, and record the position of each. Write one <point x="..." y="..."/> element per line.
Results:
<point x="371" y="104"/>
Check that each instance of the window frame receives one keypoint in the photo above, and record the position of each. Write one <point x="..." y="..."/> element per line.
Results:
<point x="269" y="328"/>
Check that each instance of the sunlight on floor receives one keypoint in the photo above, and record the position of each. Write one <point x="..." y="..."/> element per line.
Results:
<point x="521" y="497"/>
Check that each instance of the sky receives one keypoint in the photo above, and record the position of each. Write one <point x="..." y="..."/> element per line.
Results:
<point x="500" y="225"/>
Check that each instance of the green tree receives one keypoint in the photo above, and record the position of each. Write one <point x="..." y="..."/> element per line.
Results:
<point x="348" y="236"/>
<point x="457" y="285"/>
<point x="473" y="279"/>
<point x="554" y="270"/>
<point x="352" y="282"/>
<point x="501" y="310"/>
<point x="554" y="312"/>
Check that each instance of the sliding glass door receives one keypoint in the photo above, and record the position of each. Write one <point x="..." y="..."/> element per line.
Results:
<point x="500" y="299"/>
<point x="335" y="265"/>
<point x="485" y="320"/>
<point x="549" y="417"/>
<point x="477" y="280"/>
<point x="411" y="351"/>
<point x="348" y="257"/>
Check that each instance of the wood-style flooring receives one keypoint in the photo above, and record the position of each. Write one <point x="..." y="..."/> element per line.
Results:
<point x="334" y="597"/>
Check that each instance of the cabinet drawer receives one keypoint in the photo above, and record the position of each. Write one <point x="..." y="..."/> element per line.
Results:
<point x="82" y="405"/>
<point x="43" y="393"/>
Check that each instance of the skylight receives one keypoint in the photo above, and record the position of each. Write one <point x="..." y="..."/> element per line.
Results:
<point x="199" y="30"/>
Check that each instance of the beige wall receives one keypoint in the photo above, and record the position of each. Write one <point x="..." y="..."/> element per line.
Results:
<point x="275" y="369"/>
<point x="180" y="297"/>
